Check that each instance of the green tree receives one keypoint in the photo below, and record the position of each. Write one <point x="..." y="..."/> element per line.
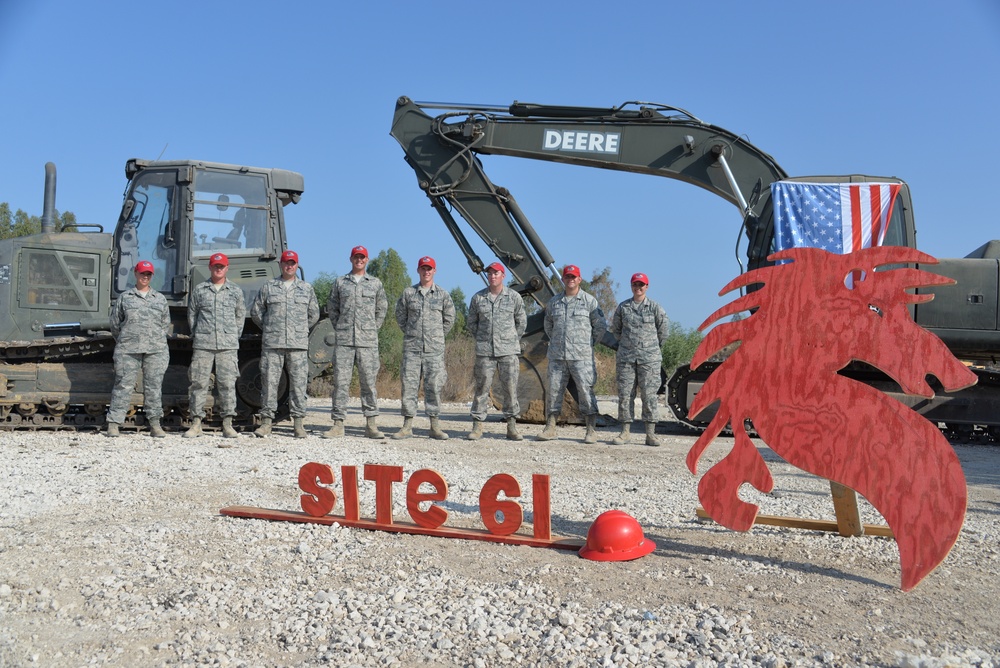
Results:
<point x="389" y="268"/>
<point x="19" y="223"/>
<point x="321" y="286"/>
<point x="461" y="314"/>
<point x="679" y="347"/>
<point x="604" y="289"/>
<point x="67" y="222"/>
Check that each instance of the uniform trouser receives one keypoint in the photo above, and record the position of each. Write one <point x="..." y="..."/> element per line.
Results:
<point x="431" y="366"/>
<point x="227" y="371"/>
<point x="127" y="366"/>
<point x="584" y="374"/>
<point x="510" y="367"/>
<point x="344" y="359"/>
<point x="296" y="364"/>
<point x="645" y="376"/>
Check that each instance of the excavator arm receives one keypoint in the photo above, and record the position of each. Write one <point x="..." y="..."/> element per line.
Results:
<point x="443" y="149"/>
<point x="641" y="138"/>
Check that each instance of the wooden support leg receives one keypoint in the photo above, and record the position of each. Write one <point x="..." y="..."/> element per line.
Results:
<point x="845" y="507"/>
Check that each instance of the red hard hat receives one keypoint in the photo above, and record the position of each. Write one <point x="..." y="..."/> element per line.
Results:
<point x="616" y="536"/>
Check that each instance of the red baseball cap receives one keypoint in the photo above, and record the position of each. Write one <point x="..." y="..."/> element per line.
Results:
<point x="359" y="250"/>
<point x="639" y="278"/>
<point x="218" y="258"/>
<point x="290" y="255"/>
<point x="496" y="266"/>
<point x="571" y="270"/>
<point x="144" y="266"/>
<point x="427" y="261"/>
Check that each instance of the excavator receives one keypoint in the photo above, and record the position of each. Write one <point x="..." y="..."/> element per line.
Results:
<point x="444" y="144"/>
<point x="57" y="288"/>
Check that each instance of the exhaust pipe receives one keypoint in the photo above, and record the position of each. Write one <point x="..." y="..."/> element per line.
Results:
<point x="49" y="206"/>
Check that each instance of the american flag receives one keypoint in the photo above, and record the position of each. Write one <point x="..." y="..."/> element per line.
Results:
<point x="837" y="217"/>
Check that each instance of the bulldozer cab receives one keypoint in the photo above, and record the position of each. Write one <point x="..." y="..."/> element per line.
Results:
<point x="177" y="214"/>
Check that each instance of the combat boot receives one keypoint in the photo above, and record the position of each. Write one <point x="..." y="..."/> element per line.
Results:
<point x="406" y="431"/>
<point x="112" y="430"/>
<point x="622" y="438"/>
<point x="371" y="430"/>
<point x="264" y="429"/>
<point x="195" y="430"/>
<point x="512" y="433"/>
<point x="591" y="435"/>
<point x="227" y="428"/>
<point x="298" y="428"/>
<point x="477" y="431"/>
<point x="155" y="430"/>
<point x="651" y="438"/>
<point x="550" y="429"/>
<point x="436" y="432"/>
<point x="336" y="431"/>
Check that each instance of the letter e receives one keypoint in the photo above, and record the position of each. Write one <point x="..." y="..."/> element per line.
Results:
<point x="433" y="517"/>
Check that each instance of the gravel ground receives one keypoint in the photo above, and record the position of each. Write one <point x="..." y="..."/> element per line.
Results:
<point x="113" y="552"/>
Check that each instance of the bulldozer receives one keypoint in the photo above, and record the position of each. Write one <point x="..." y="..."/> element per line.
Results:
<point x="57" y="289"/>
<point x="445" y="144"/>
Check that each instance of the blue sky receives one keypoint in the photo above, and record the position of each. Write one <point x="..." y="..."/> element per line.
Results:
<point x="886" y="88"/>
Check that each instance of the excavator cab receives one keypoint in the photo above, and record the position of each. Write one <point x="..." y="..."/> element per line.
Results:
<point x="178" y="214"/>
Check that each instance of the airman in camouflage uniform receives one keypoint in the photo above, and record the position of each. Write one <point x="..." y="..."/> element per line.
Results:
<point x="496" y="321"/>
<point x="216" y="315"/>
<point x="574" y="323"/>
<point x="425" y="312"/>
<point x="285" y="310"/>
<point x="641" y="327"/>
<point x="140" y="321"/>
<point x="357" y="308"/>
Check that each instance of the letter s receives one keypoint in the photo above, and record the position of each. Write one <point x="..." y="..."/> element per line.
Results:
<point x="317" y="501"/>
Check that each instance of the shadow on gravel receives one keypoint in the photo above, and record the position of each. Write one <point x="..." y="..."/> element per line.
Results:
<point x="675" y="549"/>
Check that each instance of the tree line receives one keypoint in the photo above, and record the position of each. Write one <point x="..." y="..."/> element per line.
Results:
<point x="390" y="268"/>
<point x="19" y="223"/>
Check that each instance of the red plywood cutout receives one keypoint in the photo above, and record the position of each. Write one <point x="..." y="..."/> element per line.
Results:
<point x="808" y="324"/>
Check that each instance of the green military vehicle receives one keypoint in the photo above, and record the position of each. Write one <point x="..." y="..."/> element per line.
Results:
<point x="57" y="287"/>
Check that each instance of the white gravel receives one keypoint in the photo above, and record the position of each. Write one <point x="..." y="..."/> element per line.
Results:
<point x="113" y="552"/>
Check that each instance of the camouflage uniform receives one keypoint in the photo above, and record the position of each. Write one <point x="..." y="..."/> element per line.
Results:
<point x="425" y="315"/>
<point x="357" y="309"/>
<point x="641" y="328"/>
<point x="285" y="314"/>
<point x="573" y="325"/>
<point x="497" y="325"/>
<point x="216" y="319"/>
<point x="140" y="325"/>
